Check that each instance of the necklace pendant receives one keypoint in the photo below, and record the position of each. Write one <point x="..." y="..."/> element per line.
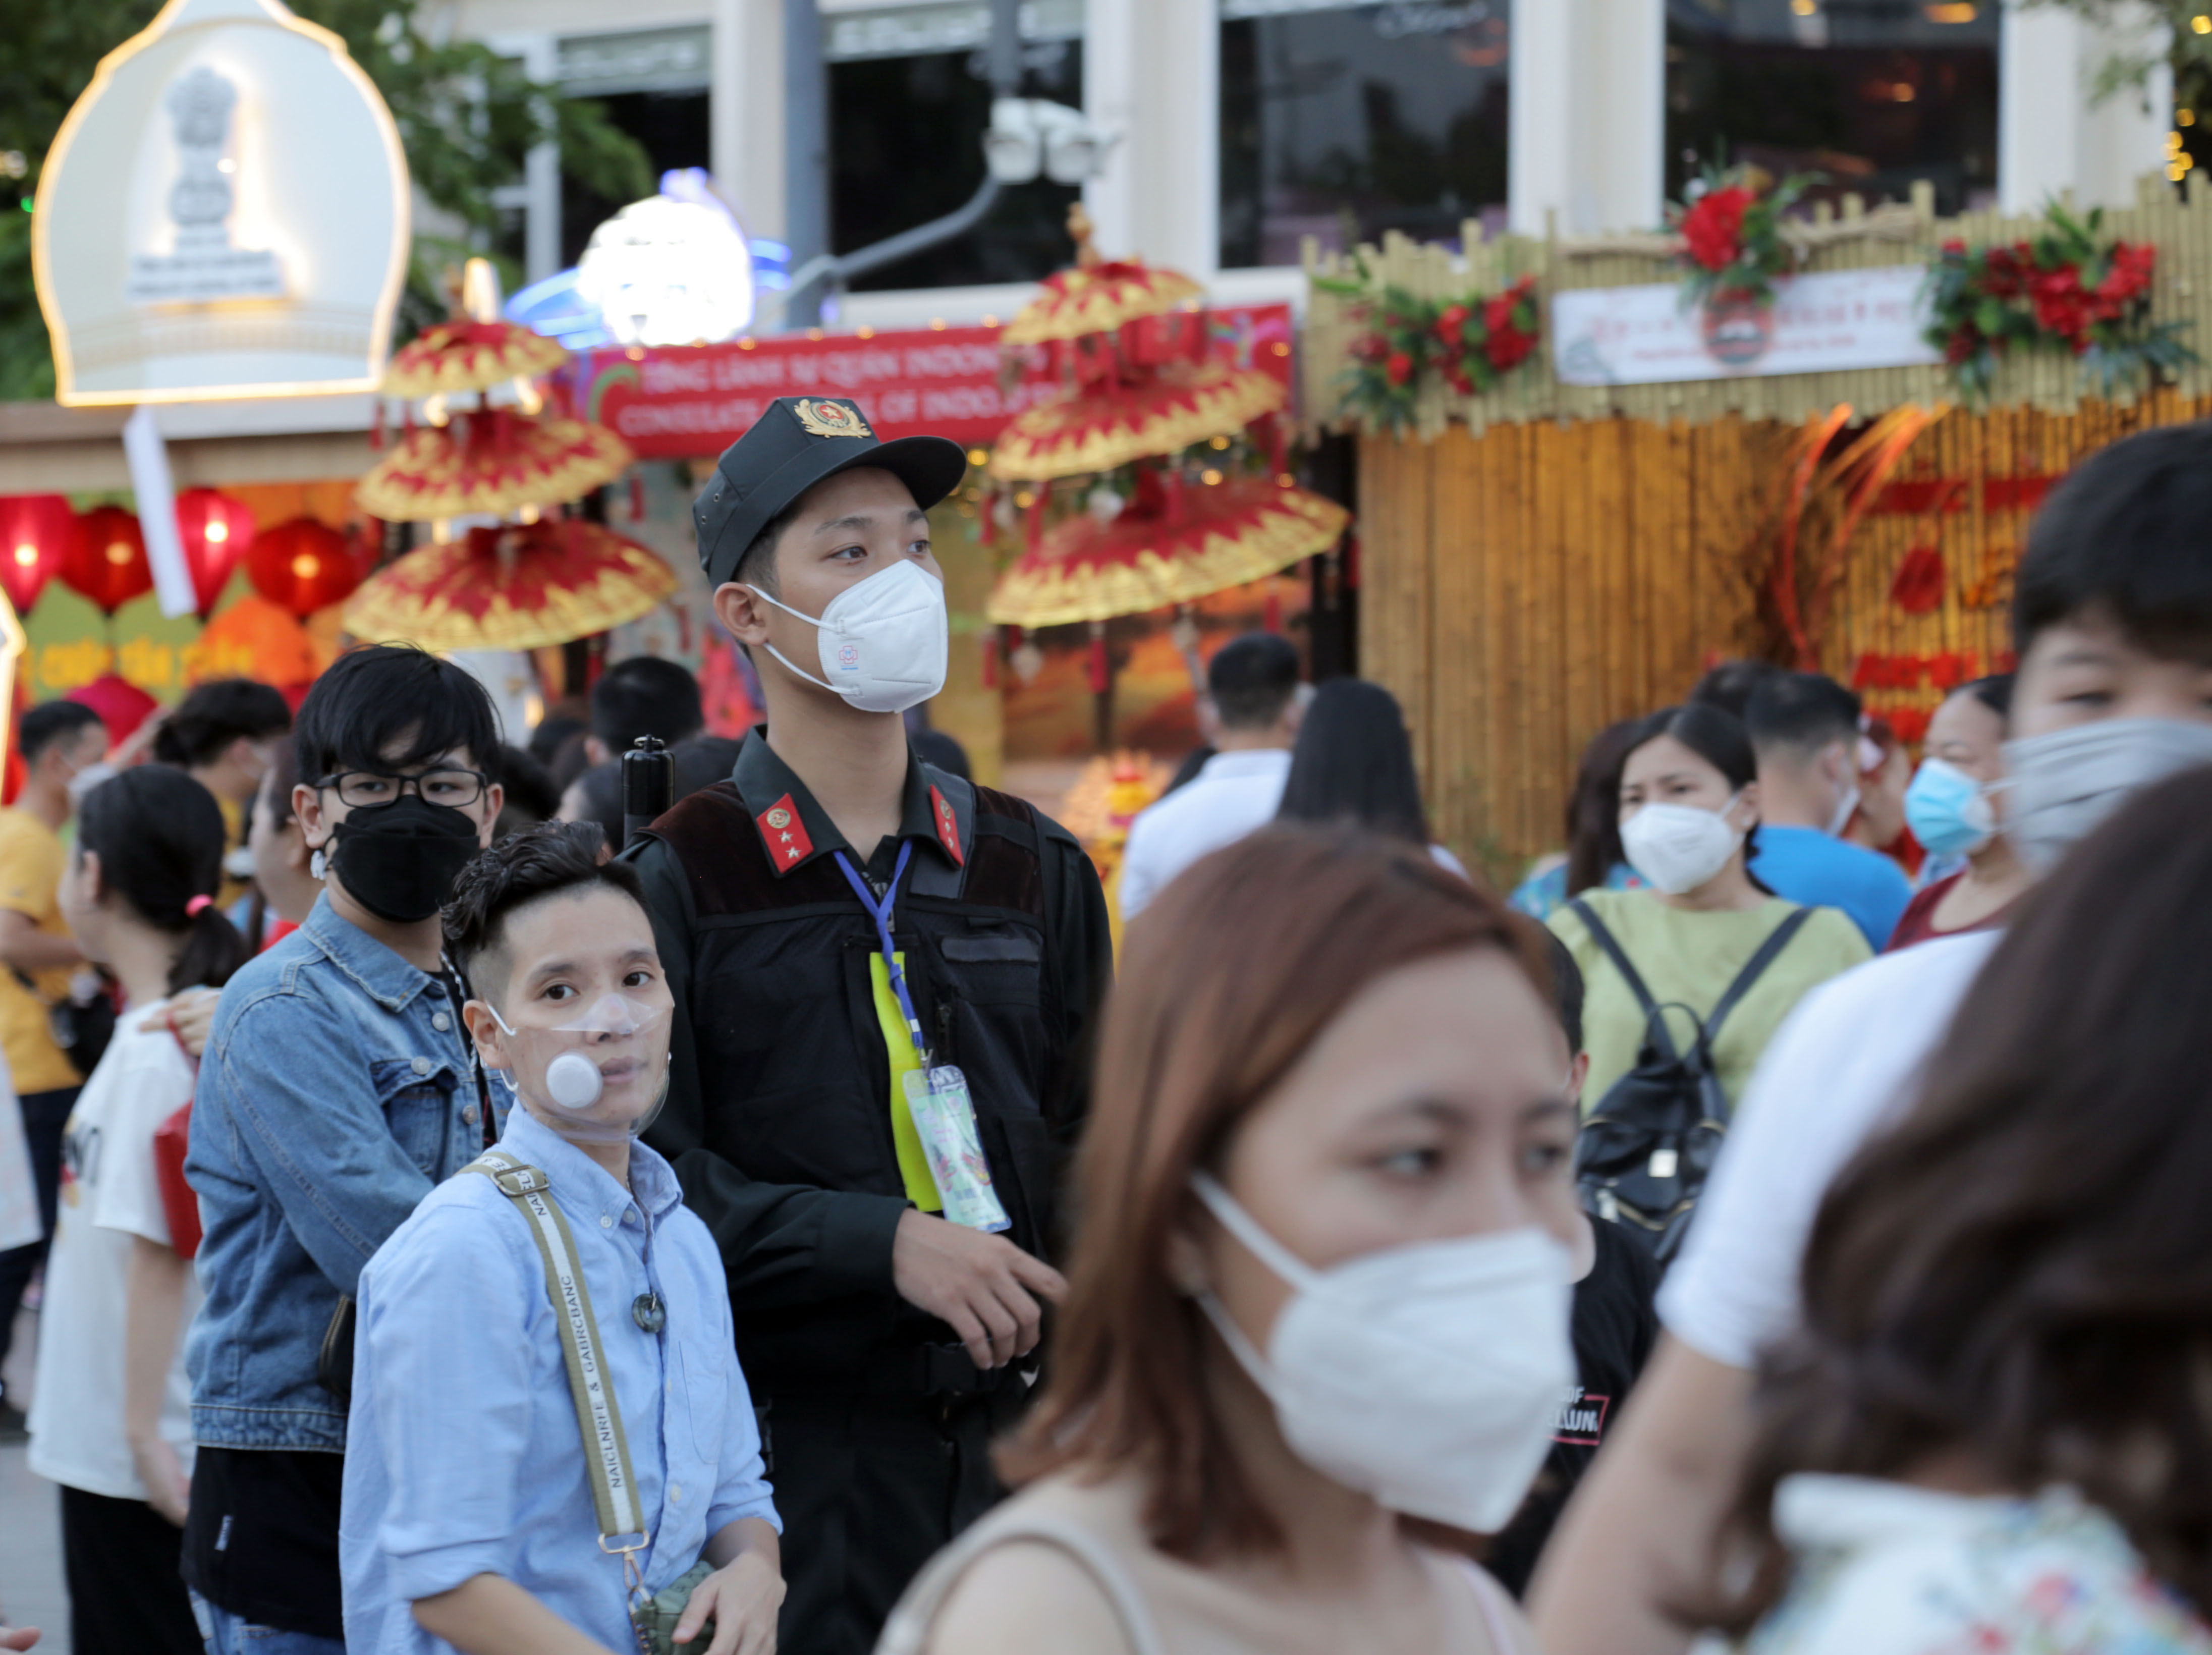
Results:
<point x="648" y="1312"/>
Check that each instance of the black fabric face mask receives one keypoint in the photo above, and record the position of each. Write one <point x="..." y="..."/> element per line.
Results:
<point x="399" y="860"/>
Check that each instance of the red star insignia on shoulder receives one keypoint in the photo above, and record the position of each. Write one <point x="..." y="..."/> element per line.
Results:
<point x="948" y="826"/>
<point x="784" y="834"/>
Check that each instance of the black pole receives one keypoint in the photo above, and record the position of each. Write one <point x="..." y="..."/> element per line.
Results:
<point x="648" y="786"/>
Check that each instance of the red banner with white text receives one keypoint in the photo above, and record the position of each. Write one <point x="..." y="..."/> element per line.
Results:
<point x="685" y="402"/>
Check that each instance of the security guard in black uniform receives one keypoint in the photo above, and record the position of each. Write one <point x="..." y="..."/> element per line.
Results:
<point x="844" y="926"/>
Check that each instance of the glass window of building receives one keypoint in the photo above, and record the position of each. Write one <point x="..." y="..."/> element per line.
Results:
<point x="653" y="84"/>
<point x="1341" y="121"/>
<point x="910" y="102"/>
<point x="1873" y="93"/>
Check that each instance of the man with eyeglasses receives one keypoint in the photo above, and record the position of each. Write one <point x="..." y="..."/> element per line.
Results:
<point x="336" y="1092"/>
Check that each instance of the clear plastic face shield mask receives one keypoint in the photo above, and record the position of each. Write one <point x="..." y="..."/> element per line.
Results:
<point x="594" y="1074"/>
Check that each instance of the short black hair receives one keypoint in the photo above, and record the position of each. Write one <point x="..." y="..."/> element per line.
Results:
<point x="1994" y="692"/>
<point x="1800" y="711"/>
<point x="1567" y="991"/>
<point x="217" y="714"/>
<point x="367" y="699"/>
<point x="530" y="794"/>
<point x="757" y="566"/>
<point x="645" y="694"/>
<point x="48" y="723"/>
<point x="2129" y="532"/>
<point x="538" y="861"/>
<point x="1729" y="686"/>
<point x="1252" y="678"/>
<point x="550" y="732"/>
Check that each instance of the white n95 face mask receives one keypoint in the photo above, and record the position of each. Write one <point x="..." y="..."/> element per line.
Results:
<point x="1677" y="847"/>
<point x="883" y="641"/>
<point x="1429" y="1377"/>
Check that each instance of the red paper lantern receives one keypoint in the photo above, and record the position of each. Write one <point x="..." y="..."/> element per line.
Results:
<point x="107" y="563"/>
<point x="303" y="566"/>
<point x="216" y="531"/>
<point x="36" y="533"/>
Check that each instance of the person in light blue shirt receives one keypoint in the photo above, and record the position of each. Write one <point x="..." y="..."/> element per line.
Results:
<point x="469" y="1520"/>
<point x="1805" y="731"/>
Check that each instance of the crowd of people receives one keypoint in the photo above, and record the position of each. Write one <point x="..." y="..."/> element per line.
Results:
<point x="475" y="1227"/>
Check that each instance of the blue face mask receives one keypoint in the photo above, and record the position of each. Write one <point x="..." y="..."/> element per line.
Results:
<point x="1948" y="811"/>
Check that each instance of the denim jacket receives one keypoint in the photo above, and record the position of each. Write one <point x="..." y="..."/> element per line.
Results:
<point x="335" y="1093"/>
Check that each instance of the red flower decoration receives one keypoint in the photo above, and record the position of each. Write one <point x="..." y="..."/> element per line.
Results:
<point x="1714" y="226"/>
<point x="1918" y="588"/>
<point x="1398" y="368"/>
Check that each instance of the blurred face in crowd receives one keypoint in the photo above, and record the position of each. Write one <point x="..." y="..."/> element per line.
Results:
<point x="1665" y="771"/>
<point x="1968" y="735"/>
<point x="1436" y="1105"/>
<point x="2087" y="669"/>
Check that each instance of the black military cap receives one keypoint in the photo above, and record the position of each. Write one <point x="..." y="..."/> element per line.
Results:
<point x="796" y="442"/>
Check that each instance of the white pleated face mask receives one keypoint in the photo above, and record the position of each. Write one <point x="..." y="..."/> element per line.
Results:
<point x="1429" y="1377"/>
<point x="883" y="641"/>
<point x="1677" y="847"/>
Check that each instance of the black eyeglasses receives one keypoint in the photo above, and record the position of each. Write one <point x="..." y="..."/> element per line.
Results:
<point x="366" y="789"/>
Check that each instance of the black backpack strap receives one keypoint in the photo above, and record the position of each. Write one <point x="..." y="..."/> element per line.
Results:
<point x="1746" y="979"/>
<point x="1613" y="951"/>
<point x="1654" y="1022"/>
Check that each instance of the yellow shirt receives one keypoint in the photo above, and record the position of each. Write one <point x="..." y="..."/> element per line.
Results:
<point x="31" y="861"/>
<point x="1691" y="958"/>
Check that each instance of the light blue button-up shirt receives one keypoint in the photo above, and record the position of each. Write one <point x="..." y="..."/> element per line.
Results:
<point x="464" y="1457"/>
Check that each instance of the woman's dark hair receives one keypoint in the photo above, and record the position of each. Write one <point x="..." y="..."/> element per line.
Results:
<point x="159" y="836"/>
<point x="369" y="698"/>
<point x="2020" y="1273"/>
<point x="1994" y="692"/>
<point x="1721" y="741"/>
<point x="1227" y="979"/>
<point x="530" y="864"/>
<point x="1353" y="765"/>
<point x="1593" y="807"/>
<point x="215" y="714"/>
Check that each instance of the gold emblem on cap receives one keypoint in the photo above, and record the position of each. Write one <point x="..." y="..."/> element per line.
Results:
<point x="821" y="417"/>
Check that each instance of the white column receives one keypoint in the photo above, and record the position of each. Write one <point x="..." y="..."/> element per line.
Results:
<point x="1151" y="73"/>
<point x="1587" y="139"/>
<point x="745" y="111"/>
<point x="2050" y="137"/>
<point x="1109" y="76"/>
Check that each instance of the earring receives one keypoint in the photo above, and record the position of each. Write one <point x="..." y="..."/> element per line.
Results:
<point x="317" y="864"/>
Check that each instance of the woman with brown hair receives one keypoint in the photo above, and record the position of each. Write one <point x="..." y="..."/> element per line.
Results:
<point x="1320" y="1280"/>
<point x="1993" y="1432"/>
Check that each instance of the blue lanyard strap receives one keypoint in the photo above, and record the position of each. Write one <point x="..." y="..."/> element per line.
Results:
<point x="880" y="912"/>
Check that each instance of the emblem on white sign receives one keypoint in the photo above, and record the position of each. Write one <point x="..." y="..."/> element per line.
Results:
<point x="204" y="264"/>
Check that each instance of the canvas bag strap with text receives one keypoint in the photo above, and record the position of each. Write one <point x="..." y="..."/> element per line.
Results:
<point x="606" y="1449"/>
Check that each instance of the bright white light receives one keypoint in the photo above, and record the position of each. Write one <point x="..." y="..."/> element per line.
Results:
<point x="669" y="272"/>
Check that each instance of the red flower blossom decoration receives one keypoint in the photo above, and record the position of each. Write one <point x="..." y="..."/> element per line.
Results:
<point x="1714" y="226"/>
<point x="1918" y="588"/>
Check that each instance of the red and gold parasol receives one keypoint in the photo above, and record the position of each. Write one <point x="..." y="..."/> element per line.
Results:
<point x="517" y="587"/>
<point x="467" y="355"/>
<point x="493" y="460"/>
<point x="1162" y="552"/>
<point x="1099" y="297"/>
<point x="1184" y="403"/>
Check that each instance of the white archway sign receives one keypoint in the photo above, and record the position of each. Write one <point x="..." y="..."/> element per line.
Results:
<point x="224" y="213"/>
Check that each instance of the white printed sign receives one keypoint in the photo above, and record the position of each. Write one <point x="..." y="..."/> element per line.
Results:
<point x="1817" y="324"/>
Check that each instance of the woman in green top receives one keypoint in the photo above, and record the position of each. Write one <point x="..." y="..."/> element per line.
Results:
<point x="1689" y="804"/>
